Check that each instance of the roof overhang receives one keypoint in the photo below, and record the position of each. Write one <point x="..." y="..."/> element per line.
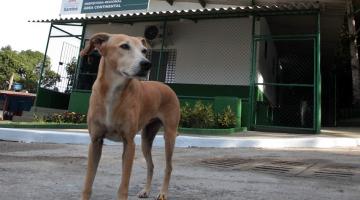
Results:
<point x="229" y="12"/>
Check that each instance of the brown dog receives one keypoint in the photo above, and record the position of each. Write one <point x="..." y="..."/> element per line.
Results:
<point x="121" y="105"/>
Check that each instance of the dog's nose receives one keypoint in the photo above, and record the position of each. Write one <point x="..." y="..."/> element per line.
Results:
<point x="145" y="65"/>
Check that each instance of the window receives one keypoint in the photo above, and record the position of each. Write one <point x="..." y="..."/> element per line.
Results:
<point x="166" y="72"/>
<point x="88" y="70"/>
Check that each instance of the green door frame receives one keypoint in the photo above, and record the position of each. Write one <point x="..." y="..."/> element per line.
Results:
<point x="316" y="85"/>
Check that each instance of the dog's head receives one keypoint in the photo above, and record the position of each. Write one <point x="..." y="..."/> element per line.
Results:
<point x="123" y="54"/>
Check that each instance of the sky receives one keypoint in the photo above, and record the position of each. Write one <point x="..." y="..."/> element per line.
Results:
<point x="15" y="29"/>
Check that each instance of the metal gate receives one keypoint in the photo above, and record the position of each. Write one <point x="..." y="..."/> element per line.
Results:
<point x="284" y="83"/>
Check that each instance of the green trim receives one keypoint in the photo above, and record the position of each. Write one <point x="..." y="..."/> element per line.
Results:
<point x="314" y="89"/>
<point x="67" y="24"/>
<point x="69" y="34"/>
<point x="196" y="97"/>
<point x="62" y="36"/>
<point x="201" y="90"/>
<point x="82" y="91"/>
<point x="286" y="84"/>
<point x="284" y="129"/>
<point x="252" y="100"/>
<point x="79" y="57"/>
<point x="43" y="125"/>
<point x="161" y="51"/>
<point x="318" y="79"/>
<point x="200" y="131"/>
<point x="285" y="37"/>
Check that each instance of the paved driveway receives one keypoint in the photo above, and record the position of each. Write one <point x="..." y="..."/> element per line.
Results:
<point x="56" y="171"/>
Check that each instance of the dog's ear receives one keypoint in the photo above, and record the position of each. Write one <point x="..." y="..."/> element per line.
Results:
<point x="144" y="42"/>
<point x="96" y="41"/>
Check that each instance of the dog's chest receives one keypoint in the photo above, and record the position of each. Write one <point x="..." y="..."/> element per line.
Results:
<point x="111" y="101"/>
<point x="110" y="104"/>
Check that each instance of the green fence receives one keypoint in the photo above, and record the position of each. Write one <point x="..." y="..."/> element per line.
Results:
<point x="57" y="76"/>
<point x="285" y="79"/>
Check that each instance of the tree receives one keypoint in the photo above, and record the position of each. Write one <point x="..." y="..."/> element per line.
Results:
<point x="70" y="70"/>
<point x="353" y="30"/>
<point x="26" y="66"/>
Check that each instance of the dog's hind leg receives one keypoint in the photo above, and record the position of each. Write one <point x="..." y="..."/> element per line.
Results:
<point x="170" y="137"/>
<point x="147" y="138"/>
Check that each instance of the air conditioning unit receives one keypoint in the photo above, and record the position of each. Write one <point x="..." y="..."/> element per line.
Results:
<point x="155" y="34"/>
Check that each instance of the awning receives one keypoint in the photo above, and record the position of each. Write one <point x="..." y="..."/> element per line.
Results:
<point x="238" y="11"/>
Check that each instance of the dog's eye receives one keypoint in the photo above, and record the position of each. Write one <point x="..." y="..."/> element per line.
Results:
<point x="144" y="51"/>
<point x="125" y="46"/>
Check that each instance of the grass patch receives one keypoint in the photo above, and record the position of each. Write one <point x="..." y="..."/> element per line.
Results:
<point x="9" y="124"/>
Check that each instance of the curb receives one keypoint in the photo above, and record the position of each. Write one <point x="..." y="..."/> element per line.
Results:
<point x="197" y="131"/>
<point x="67" y="137"/>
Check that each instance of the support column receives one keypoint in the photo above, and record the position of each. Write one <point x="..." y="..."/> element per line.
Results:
<point x="43" y="67"/>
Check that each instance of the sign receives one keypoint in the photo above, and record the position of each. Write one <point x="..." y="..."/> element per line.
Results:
<point x="71" y="7"/>
<point x="95" y="6"/>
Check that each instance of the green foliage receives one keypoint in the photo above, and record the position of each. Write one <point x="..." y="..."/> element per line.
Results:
<point x="70" y="70"/>
<point x="50" y="79"/>
<point x="186" y="112"/>
<point x="203" y="116"/>
<point x="226" y="119"/>
<point x="66" y="117"/>
<point x="26" y="66"/>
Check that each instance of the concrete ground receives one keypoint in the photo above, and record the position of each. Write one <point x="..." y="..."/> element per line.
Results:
<point x="56" y="171"/>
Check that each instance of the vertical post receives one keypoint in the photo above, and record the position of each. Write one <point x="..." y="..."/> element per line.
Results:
<point x="77" y="71"/>
<point x="252" y="75"/>
<point x="335" y="101"/>
<point x="318" y="78"/>
<point x="43" y="67"/>
<point x="161" y="50"/>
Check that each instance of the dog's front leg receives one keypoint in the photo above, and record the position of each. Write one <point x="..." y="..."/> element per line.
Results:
<point x="95" y="149"/>
<point x="127" y="162"/>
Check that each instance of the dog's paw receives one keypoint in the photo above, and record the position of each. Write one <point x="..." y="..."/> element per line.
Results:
<point x="143" y="194"/>
<point x="161" y="197"/>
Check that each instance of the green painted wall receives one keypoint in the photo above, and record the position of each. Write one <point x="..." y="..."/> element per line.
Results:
<point x="51" y="99"/>
<point x="218" y="95"/>
<point x="79" y="102"/>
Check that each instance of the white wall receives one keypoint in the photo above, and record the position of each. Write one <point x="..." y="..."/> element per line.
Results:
<point x="215" y="51"/>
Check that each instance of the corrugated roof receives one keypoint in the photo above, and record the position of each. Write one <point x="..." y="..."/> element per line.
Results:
<point x="198" y="13"/>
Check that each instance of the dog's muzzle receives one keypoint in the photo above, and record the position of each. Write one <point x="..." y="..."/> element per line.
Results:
<point x="145" y="66"/>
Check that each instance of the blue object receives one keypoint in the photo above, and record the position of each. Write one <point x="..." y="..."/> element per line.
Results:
<point x="17" y="86"/>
